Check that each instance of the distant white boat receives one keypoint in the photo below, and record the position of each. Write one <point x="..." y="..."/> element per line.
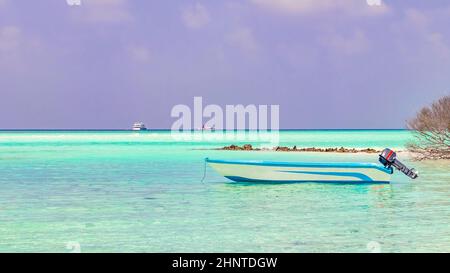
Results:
<point x="139" y="126"/>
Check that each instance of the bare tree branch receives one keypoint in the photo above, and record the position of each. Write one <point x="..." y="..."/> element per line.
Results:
<point x="431" y="128"/>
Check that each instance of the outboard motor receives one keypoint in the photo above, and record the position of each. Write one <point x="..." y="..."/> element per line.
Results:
<point x="389" y="158"/>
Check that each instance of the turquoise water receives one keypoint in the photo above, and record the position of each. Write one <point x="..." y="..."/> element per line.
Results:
<point x="122" y="191"/>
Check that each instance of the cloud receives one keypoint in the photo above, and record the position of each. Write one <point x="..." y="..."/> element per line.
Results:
<point x="243" y="38"/>
<point x="295" y="6"/>
<point x="18" y="49"/>
<point x="139" y="53"/>
<point x="302" y="7"/>
<point x="196" y="16"/>
<point x="105" y="11"/>
<point x="423" y="28"/>
<point x="439" y="44"/>
<point x="9" y="38"/>
<point x="416" y="18"/>
<point x="350" y="45"/>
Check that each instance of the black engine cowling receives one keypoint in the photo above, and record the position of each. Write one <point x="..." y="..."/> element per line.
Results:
<point x="389" y="158"/>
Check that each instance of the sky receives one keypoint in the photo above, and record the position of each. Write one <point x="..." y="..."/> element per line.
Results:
<point x="328" y="64"/>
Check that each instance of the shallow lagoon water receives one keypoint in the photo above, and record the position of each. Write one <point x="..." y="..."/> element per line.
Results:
<point x="142" y="192"/>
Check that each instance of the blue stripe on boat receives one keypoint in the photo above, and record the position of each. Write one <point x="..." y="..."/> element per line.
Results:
<point x="361" y="176"/>
<point x="243" y="179"/>
<point x="303" y="164"/>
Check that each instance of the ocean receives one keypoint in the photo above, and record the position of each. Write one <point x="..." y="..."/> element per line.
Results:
<point x="123" y="191"/>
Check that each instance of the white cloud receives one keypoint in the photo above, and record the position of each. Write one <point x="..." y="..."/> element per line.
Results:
<point x="19" y="50"/>
<point x="9" y="38"/>
<point x="416" y="18"/>
<point x="301" y="7"/>
<point x="423" y="28"/>
<point x="355" y="44"/>
<point x="104" y="11"/>
<point x="195" y="16"/>
<point x="243" y="38"/>
<point x="139" y="53"/>
<point x="296" y="6"/>
<point x="439" y="44"/>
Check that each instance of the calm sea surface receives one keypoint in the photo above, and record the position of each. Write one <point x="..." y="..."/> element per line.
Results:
<point x="121" y="191"/>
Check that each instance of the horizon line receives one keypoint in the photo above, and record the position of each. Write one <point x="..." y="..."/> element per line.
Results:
<point x="223" y="130"/>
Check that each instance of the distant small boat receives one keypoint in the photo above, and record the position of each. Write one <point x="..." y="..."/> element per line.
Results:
<point x="139" y="126"/>
<point x="285" y="172"/>
<point x="206" y="128"/>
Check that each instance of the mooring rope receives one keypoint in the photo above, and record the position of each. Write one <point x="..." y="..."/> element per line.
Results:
<point x="204" y="171"/>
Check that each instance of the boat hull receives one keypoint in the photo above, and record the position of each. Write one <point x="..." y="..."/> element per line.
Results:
<point x="291" y="172"/>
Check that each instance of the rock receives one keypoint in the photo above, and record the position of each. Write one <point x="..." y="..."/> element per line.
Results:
<point x="249" y="147"/>
<point x="231" y="148"/>
<point x="282" y="149"/>
<point x="369" y="150"/>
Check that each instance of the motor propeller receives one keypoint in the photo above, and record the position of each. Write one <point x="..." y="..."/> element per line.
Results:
<point x="389" y="158"/>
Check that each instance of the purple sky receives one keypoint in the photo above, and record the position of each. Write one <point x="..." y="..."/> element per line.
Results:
<point x="327" y="63"/>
